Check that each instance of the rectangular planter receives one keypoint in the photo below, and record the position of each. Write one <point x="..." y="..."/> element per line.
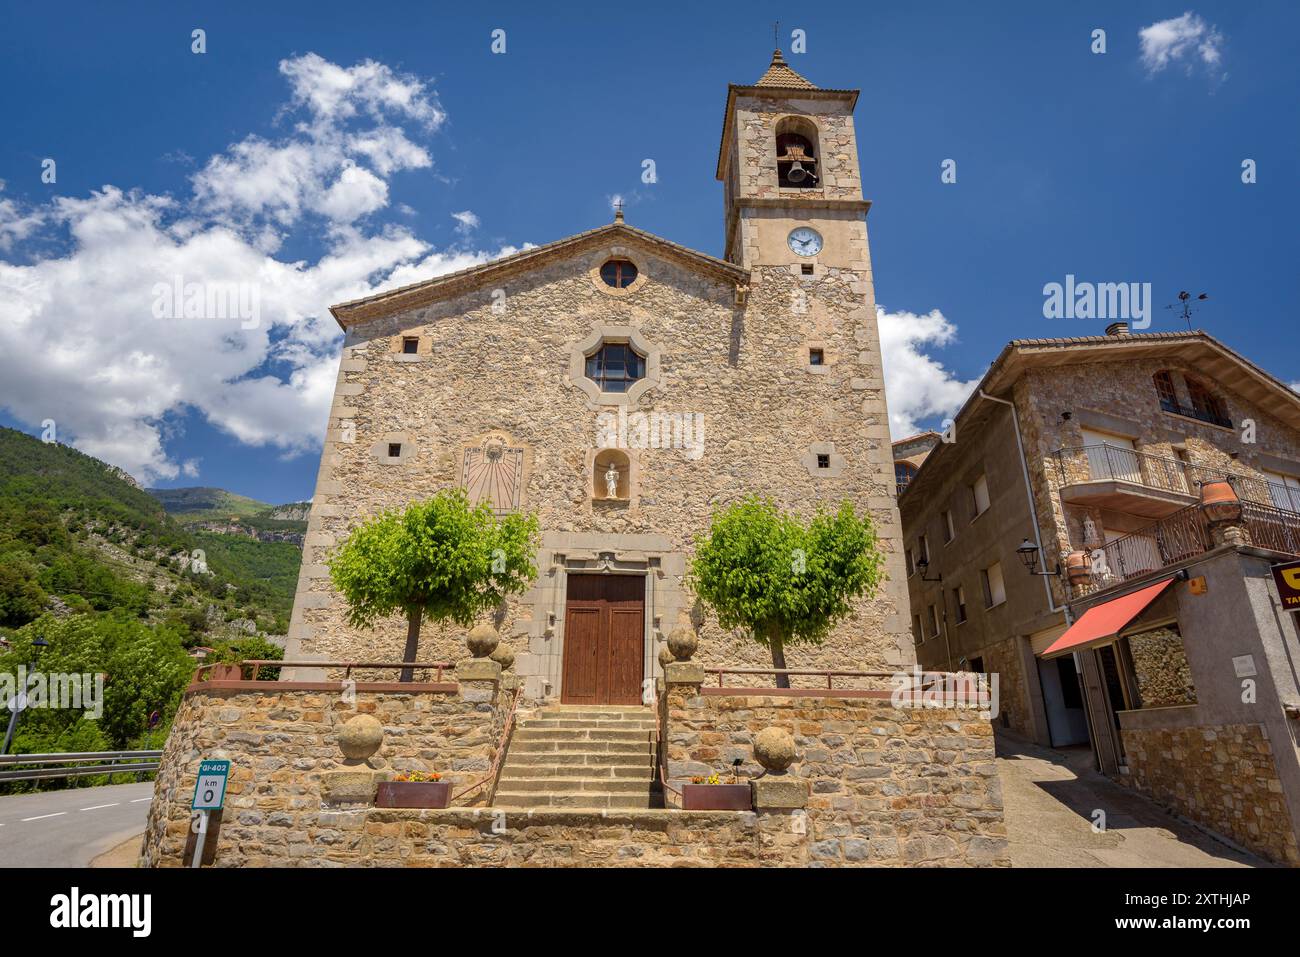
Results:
<point x="435" y="794"/>
<point x="716" y="797"/>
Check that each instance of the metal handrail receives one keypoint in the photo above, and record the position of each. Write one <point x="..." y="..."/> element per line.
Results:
<point x="258" y="663"/>
<point x="661" y="747"/>
<point x="829" y="675"/>
<point x="1170" y="475"/>
<point x="1276" y="529"/>
<point x="502" y="746"/>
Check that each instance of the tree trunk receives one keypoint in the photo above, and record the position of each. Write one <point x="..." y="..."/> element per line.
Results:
<point x="412" y="642"/>
<point x="777" y="644"/>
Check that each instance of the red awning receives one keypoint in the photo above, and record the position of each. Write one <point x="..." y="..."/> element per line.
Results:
<point x="1100" y="623"/>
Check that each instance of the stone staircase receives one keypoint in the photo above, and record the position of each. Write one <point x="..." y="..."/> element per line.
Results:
<point x="581" y="756"/>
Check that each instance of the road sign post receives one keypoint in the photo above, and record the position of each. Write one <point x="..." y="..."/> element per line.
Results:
<point x="209" y="796"/>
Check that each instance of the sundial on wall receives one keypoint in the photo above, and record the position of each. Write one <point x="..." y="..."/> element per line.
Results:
<point x="493" y="472"/>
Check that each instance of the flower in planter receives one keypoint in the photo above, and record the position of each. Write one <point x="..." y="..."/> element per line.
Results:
<point x="419" y="776"/>
<point x="711" y="779"/>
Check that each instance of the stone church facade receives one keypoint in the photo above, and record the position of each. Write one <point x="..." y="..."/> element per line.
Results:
<point x="624" y="387"/>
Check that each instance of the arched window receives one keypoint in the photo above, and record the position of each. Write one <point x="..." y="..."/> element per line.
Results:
<point x="904" y="472"/>
<point x="1165" y="389"/>
<point x="1205" y="404"/>
<point x="615" y="366"/>
<point x="797" y="153"/>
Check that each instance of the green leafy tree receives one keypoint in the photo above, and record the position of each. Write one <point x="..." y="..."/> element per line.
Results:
<point x="440" y="559"/>
<point x="783" y="582"/>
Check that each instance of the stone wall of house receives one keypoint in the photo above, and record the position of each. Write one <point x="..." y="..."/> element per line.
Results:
<point x="1222" y="777"/>
<point x="282" y="743"/>
<point x="1002" y="658"/>
<point x="482" y="371"/>
<point x="1123" y="395"/>
<point x="888" y="785"/>
<point x="1160" y="666"/>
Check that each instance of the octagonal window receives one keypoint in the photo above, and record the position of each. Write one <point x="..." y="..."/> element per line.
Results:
<point x="615" y="366"/>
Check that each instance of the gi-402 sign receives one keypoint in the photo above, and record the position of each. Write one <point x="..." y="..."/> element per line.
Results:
<point x="1287" y="579"/>
<point x="210" y="788"/>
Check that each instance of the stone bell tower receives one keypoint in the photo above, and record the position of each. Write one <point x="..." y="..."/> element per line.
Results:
<point x="795" y="218"/>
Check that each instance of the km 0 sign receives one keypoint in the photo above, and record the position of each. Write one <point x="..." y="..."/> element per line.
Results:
<point x="1287" y="578"/>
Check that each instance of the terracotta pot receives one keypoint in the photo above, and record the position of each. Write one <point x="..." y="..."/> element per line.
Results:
<point x="1219" y="502"/>
<point x="436" y="794"/>
<point x="1078" y="568"/>
<point x="716" y="797"/>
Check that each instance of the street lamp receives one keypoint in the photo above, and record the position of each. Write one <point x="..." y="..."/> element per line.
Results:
<point x="1028" y="553"/>
<point x="19" y="702"/>
<point x="923" y="565"/>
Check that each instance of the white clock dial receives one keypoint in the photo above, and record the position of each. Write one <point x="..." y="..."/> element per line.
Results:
<point x="805" y="241"/>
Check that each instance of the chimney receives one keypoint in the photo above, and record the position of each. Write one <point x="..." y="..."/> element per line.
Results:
<point x="1117" y="329"/>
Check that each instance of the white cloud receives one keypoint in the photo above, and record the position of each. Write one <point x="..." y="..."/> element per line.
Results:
<point x="466" y="221"/>
<point x="1187" y="38"/>
<point x="79" y="341"/>
<point x="917" y="387"/>
<point x="15" y="225"/>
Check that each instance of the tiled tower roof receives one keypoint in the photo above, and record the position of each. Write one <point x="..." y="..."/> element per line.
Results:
<point x="780" y="75"/>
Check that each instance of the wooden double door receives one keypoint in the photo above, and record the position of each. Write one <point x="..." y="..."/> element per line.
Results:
<point x="604" y="632"/>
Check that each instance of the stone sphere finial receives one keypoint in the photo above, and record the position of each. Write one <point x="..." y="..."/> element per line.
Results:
<point x="360" y="737"/>
<point x="774" y="749"/>
<point x="504" y="655"/>
<point x="682" y="641"/>
<point x="482" y="640"/>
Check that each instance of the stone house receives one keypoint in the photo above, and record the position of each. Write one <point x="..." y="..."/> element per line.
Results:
<point x="624" y="387"/>
<point x="1061" y="541"/>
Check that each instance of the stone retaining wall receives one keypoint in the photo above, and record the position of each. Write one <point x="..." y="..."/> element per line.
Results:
<point x="1223" y="777"/>
<point x="282" y="742"/>
<point x="888" y="786"/>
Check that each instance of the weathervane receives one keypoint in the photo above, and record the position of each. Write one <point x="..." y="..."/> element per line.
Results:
<point x="1185" y="298"/>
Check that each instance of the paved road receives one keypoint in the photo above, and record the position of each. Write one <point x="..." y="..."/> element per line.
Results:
<point x="68" y="828"/>
<point x="1051" y="797"/>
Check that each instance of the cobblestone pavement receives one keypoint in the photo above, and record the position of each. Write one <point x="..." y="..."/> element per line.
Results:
<point x="1051" y="797"/>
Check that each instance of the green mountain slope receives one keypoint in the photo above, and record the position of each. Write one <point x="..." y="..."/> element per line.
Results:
<point x="198" y="504"/>
<point x="77" y="536"/>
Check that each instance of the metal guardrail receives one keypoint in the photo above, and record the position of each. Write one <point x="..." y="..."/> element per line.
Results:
<point x="1101" y="462"/>
<point x="111" y="762"/>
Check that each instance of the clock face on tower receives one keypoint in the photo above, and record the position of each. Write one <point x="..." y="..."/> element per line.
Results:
<point x="805" y="241"/>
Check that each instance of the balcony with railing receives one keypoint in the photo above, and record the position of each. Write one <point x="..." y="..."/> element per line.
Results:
<point x="1210" y="415"/>
<point x="1151" y="486"/>
<point x="1184" y="535"/>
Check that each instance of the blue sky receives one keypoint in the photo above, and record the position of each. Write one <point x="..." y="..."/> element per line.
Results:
<point x="1109" y="167"/>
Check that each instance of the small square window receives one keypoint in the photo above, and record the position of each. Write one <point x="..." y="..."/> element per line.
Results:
<point x="806" y="269"/>
<point x="410" y="345"/>
<point x="823" y="460"/>
<point x="816" y="357"/>
<point x="394" y="450"/>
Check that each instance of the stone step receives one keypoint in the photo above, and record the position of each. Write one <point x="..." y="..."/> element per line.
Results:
<point x="521" y="769"/>
<point x="529" y="746"/>
<point x="637" y="714"/>
<point x="513" y="785"/>
<point x="583" y="734"/>
<point x="523" y="799"/>
<point x="643" y="758"/>
<point x="545" y="724"/>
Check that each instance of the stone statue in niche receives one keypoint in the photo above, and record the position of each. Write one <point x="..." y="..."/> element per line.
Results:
<point x="611" y="481"/>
